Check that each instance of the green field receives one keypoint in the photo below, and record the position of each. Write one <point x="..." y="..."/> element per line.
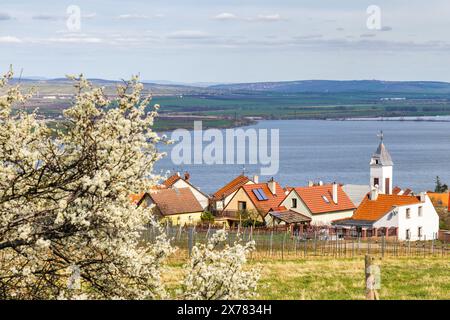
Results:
<point x="225" y="108"/>
<point x="343" y="279"/>
<point x="306" y="105"/>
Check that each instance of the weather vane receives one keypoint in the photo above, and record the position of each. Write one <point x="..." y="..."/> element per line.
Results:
<point x="381" y="135"/>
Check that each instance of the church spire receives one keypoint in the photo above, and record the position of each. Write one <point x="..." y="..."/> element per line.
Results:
<point x="381" y="168"/>
<point x="381" y="155"/>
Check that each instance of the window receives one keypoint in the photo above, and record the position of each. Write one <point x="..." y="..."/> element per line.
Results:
<point x="376" y="182"/>
<point x="387" y="185"/>
<point x="408" y="213"/>
<point x="419" y="232"/>
<point x="242" y="205"/>
<point x="420" y="211"/>
<point x="294" y="203"/>
<point x="408" y="234"/>
<point x="325" y="199"/>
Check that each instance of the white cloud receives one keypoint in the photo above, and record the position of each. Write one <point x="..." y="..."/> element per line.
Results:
<point x="132" y="16"/>
<point x="188" y="34"/>
<point x="74" y="40"/>
<point x="9" y="39"/>
<point x="225" y="16"/>
<point x="269" y="17"/>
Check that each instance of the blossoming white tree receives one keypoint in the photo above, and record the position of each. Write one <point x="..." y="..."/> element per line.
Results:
<point x="214" y="274"/>
<point x="67" y="227"/>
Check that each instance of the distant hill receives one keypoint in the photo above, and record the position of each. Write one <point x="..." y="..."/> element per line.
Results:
<point x="63" y="85"/>
<point x="334" y="86"/>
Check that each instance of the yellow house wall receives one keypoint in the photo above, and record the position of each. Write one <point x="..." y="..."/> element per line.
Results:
<point x="185" y="218"/>
<point x="240" y="196"/>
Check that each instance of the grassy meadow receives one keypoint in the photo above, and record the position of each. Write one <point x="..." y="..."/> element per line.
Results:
<point x="343" y="279"/>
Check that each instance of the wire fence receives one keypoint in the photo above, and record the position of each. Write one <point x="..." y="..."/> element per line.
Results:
<point x="280" y="244"/>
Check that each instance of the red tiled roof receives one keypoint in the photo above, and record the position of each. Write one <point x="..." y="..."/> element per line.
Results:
<point x="175" y="201"/>
<point x="372" y="210"/>
<point x="313" y="199"/>
<point x="273" y="201"/>
<point x="231" y="187"/>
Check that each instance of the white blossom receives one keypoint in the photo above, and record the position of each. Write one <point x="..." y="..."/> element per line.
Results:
<point x="64" y="201"/>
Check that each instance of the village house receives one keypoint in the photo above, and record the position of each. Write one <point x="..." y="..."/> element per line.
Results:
<point x="177" y="182"/>
<point x="321" y="203"/>
<point x="252" y="202"/>
<point x="391" y="212"/>
<point x="179" y="206"/>
<point x="405" y="216"/>
<point x="222" y="197"/>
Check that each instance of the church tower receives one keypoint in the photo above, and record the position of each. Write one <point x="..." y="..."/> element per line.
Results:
<point x="381" y="169"/>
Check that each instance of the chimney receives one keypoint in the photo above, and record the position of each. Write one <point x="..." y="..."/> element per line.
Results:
<point x="310" y="183"/>
<point x="320" y="183"/>
<point x="423" y="197"/>
<point x="335" y="192"/>
<point x="255" y="179"/>
<point x="271" y="185"/>
<point x="187" y="176"/>
<point x="373" y="194"/>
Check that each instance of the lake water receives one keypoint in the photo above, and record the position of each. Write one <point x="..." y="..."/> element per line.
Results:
<point x="340" y="151"/>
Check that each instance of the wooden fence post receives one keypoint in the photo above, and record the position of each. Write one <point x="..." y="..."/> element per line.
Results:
<point x="271" y="242"/>
<point x="190" y="240"/>
<point x="371" y="278"/>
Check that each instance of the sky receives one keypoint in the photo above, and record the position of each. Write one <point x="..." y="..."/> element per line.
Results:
<point x="228" y="40"/>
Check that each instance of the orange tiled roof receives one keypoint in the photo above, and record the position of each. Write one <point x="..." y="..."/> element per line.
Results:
<point x="273" y="201"/>
<point x="175" y="201"/>
<point x="439" y="199"/>
<point x="135" y="198"/>
<point x="372" y="210"/>
<point x="282" y="208"/>
<point x="171" y="180"/>
<point x="231" y="187"/>
<point x="313" y="199"/>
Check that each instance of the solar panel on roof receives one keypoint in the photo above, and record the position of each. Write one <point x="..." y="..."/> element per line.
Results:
<point x="260" y="195"/>
<point x="257" y="194"/>
<point x="263" y="195"/>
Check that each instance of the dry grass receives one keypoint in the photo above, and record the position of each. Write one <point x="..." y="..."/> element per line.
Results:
<point x="326" y="278"/>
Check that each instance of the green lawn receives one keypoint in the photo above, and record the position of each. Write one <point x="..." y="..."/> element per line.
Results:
<point x="326" y="278"/>
<point x="401" y="278"/>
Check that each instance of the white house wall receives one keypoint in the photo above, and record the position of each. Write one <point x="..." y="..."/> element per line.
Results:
<point x="328" y="218"/>
<point x="429" y="221"/>
<point x="301" y="207"/>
